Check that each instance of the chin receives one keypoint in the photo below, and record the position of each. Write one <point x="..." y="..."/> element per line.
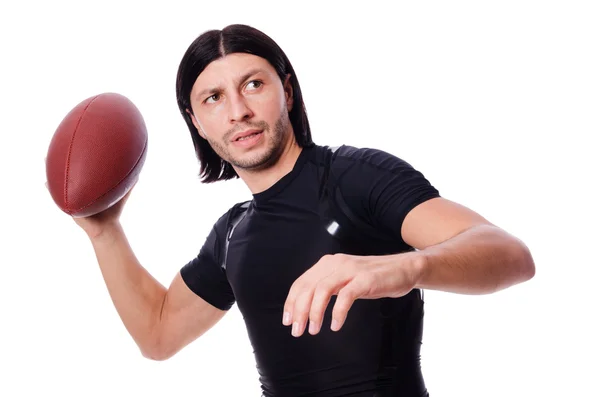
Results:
<point x="258" y="158"/>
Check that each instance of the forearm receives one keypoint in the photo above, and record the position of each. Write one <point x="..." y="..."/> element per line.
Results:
<point x="481" y="260"/>
<point x="137" y="296"/>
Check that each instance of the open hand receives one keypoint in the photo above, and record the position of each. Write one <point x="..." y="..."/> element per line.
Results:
<point x="349" y="277"/>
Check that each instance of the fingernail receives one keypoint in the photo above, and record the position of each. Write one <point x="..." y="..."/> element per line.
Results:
<point x="296" y="329"/>
<point x="313" y="328"/>
<point x="287" y="318"/>
<point x="335" y="325"/>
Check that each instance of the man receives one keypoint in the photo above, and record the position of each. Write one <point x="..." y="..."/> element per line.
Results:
<point x="326" y="262"/>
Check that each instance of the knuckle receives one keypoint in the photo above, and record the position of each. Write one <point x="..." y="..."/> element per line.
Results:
<point x="347" y="297"/>
<point x="339" y="312"/>
<point x="350" y="293"/>
<point x="319" y="305"/>
<point x="315" y="314"/>
<point x="301" y="304"/>
<point x="326" y="260"/>
<point x="323" y="288"/>
<point x="339" y="256"/>
<point x="297" y="287"/>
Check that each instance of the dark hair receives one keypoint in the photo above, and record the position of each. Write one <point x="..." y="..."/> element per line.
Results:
<point x="215" y="44"/>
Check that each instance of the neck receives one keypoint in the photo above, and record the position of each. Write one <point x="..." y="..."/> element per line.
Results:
<point x="259" y="181"/>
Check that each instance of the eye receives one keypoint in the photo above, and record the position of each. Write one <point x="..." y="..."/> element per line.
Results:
<point x="214" y="97"/>
<point x="256" y="83"/>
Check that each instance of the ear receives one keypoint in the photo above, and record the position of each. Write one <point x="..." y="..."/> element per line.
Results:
<point x="196" y="124"/>
<point x="289" y="93"/>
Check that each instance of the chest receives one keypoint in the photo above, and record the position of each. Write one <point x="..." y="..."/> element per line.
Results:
<point x="269" y="250"/>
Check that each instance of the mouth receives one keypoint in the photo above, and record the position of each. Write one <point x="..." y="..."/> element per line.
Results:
<point x="242" y="136"/>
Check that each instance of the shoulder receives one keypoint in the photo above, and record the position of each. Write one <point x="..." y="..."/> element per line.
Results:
<point x="215" y="239"/>
<point x="224" y="221"/>
<point x="365" y="159"/>
<point x="373" y="173"/>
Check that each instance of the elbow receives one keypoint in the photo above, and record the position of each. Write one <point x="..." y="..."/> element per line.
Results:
<point x="156" y="352"/>
<point x="154" y="355"/>
<point x="525" y="263"/>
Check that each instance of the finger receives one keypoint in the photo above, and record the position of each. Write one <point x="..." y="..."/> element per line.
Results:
<point x="290" y="302"/>
<point x="322" y="296"/>
<point x="307" y="279"/>
<point x="353" y="290"/>
<point x="300" y="311"/>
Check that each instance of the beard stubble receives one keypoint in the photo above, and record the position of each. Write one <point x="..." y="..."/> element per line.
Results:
<point x="257" y="161"/>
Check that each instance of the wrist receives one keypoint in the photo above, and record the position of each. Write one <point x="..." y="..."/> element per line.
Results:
<point x="419" y="268"/>
<point x="106" y="232"/>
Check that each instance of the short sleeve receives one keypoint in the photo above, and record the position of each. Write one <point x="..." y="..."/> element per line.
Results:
<point x="204" y="276"/>
<point x="379" y="187"/>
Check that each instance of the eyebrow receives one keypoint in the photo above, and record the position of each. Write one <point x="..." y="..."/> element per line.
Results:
<point x="213" y="90"/>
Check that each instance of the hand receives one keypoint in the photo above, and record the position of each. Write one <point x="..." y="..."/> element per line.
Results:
<point x="349" y="277"/>
<point x="95" y="224"/>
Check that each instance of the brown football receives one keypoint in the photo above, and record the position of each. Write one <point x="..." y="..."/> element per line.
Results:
<point x="96" y="154"/>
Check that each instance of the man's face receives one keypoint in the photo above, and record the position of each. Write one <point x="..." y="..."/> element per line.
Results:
<point x="241" y="108"/>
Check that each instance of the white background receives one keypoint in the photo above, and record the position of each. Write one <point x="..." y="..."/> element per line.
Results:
<point x="497" y="103"/>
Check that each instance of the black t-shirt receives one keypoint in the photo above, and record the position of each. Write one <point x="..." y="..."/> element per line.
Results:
<point x="283" y="234"/>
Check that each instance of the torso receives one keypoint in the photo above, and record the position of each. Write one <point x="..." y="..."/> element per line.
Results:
<point x="283" y="234"/>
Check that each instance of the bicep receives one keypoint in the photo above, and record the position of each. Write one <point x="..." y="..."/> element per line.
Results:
<point x="437" y="220"/>
<point x="185" y="316"/>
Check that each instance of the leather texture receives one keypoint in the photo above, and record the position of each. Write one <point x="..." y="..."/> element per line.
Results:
<point x="96" y="154"/>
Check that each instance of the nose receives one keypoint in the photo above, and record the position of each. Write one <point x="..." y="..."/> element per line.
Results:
<point x="239" y="109"/>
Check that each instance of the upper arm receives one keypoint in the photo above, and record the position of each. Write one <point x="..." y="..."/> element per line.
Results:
<point x="437" y="220"/>
<point x="184" y="317"/>
<point x="381" y="188"/>
<point x="397" y="199"/>
<point x="198" y="297"/>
